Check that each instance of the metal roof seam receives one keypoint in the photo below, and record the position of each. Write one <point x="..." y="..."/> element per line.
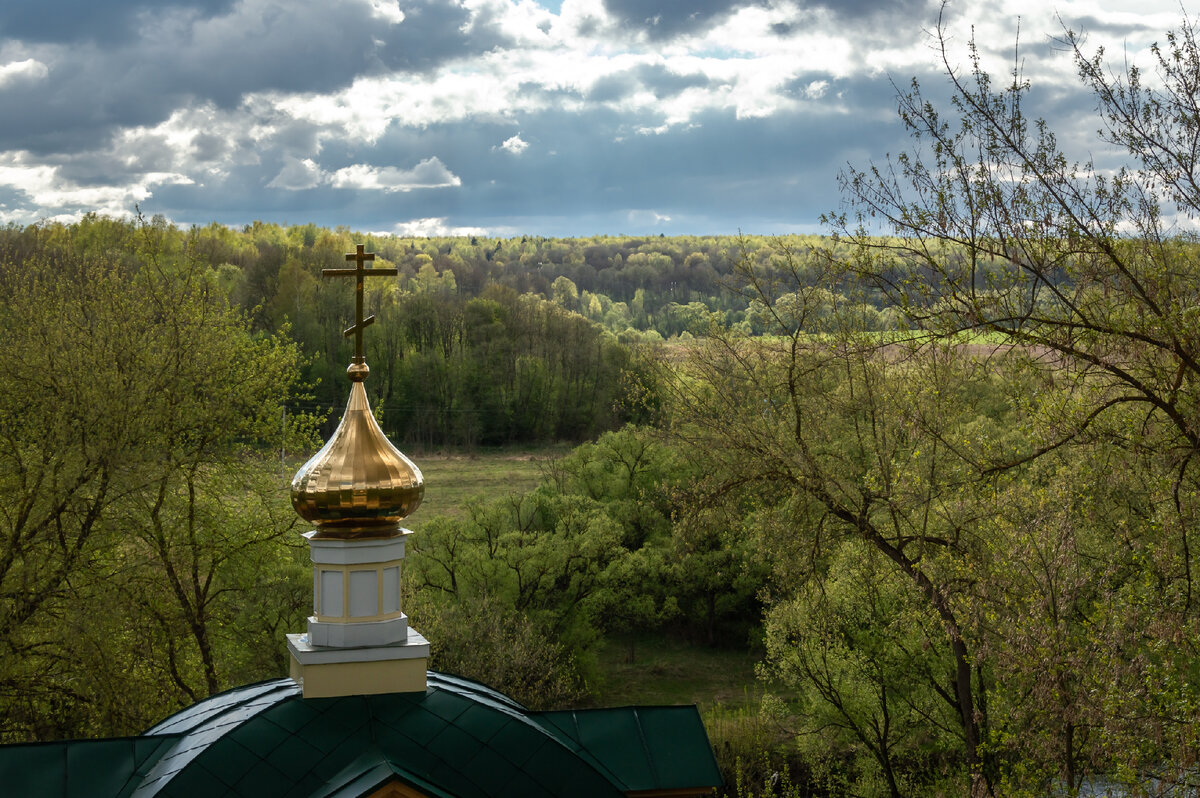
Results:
<point x="645" y="747"/>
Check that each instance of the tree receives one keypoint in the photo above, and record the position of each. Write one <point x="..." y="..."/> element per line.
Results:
<point x="564" y="293"/>
<point x="992" y="229"/>
<point x="849" y="642"/>
<point x="133" y="397"/>
<point x="825" y="432"/>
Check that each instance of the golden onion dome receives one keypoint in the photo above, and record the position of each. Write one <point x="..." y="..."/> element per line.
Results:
<point x="359" y="484"/>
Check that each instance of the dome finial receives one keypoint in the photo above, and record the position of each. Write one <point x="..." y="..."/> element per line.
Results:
<point x="359" y="484"/>
<point x="358" y="273"/>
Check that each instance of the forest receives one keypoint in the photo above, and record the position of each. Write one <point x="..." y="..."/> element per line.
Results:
<point x="937" y="470"/>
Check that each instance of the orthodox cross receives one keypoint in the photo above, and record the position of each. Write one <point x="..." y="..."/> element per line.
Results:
<point x="358" y="272"/>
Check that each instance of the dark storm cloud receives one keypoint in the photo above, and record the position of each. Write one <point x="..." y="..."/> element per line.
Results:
<point x="658" y="79"/>
<point x="722" y="173"/>
<point x="433" y="32"/>
<point x="207" y="147"/>
<point x="79" y="112"/>
<point x="860" y="9"/>
<point x="718" y="174"/>
<point x="663" y="19"/>
<point x="288" y="52"/>
<point x="728" y="171"/>
<point x="1114" y="30"/>
<point x="296" y="136"/>
<point x="109" y="22"/>
<point x="182" y="60"/>
<point x="94" y="168"/>
<point x="318" y="49"/>
<point x="612" y="87"/>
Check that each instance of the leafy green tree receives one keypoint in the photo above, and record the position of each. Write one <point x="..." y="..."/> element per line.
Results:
<point x="849" y="640"/>
<point x="837" y="435"/>
<point x="565" y="293"/>
<point x="688" y="571"/>
<point x="132" y="396"/>
<point x="996" y="230"/>
<point x="488" y="640"/>
<point x="632" y="474"/>
<point x="543" y="555"/>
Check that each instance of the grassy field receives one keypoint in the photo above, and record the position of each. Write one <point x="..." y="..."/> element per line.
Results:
<point x="454" y="478"/>
<point x="667" y="671"/>
<point x="451" y="480"/>
<point x="720" y="682"/>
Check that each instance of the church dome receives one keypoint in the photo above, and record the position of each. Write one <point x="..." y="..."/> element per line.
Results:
<point x="358" y="484"/>
<point x="456" y="739"/>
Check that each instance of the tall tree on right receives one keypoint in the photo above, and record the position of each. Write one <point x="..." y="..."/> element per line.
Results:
<point x="988" y="227"/>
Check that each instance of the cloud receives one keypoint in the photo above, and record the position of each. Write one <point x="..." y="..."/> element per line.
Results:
<point x="861" y="9"/>
<point x="612" y="87"/>
<point x="816" y="89"/>
<point x="433" y="228"/>
<point x="429" y="173"/>
<point x="298" y="175"/>
<point x="301" y="174"/>
<point x="30" y="70"/>
<point x="664" y="82"/>
<point x="46" y="187"/>
<point x="388" y="11"/>
<point x="661" y="19"/>
<point x="161" y="57"/>
<point x="664" y="20"/>
<point x="109" y="22"/>
<point x="515" y="145"/>
<point x="642" y="218"/>
<point x="709" y="112"/>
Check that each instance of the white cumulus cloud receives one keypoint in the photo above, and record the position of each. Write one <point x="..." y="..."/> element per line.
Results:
<point x="434" y="227"/>
<point x="387" y="10"/>
<point x="48" y="188"/>
<point x="516" y="145"/>
<point x="301" y="174"/>
<point x="642" y="216"/>
<point x="816" y="90"/>
<point x="429" y="173"/>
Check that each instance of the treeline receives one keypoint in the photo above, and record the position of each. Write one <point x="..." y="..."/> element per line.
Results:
<point x="497" y="369"/>
<point x="481" y="341"/>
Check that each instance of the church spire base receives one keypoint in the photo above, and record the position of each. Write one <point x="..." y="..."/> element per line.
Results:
<point x="326" y="672"/>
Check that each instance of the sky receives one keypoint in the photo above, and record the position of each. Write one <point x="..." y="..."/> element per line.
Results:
<point x="500" y="117"/>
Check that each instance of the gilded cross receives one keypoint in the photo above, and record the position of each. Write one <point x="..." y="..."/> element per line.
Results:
<point x="358" y="272"/>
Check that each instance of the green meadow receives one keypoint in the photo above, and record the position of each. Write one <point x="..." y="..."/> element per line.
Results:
<point x="454" y="479"/>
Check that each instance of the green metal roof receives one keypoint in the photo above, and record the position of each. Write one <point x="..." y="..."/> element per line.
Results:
<point x="79" y="768"/>
<point x="458" y="739"/>
<point x="645" y="748"/>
